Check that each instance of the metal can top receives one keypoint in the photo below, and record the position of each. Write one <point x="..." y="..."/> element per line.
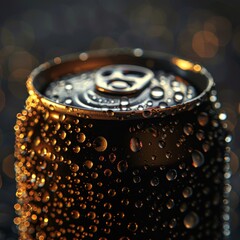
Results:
<point x="120" y="84"/>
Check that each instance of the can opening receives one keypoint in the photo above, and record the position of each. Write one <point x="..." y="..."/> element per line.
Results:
<point x="115" y="73"/>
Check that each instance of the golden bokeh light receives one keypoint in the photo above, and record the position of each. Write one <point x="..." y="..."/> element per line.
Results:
<point x="205" y="44"/>
<point x="8" y="166"/>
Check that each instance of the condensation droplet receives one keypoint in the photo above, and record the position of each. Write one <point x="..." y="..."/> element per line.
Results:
<point x="171" y="175"/>
<point x="162" y="105"/>
<point x="74" y="167"/>
<point x="168" y="155"/>
<point x="68" y="87"/>
<point x="76" y="149"/>
<point x="75" y="214"/>
<point x="200" y="135"/>
<point x="178" y="97"/>
<point x="162" y="144"/>
<point x="154" y="181"/>
<point x="88" y="164"/>
<point x="157" y="93"/>
<point x="68" y="101"/>
<point x="53" y="187"/>
<point x="187" y="192"/>
<point x="100" y="144"/>
<point x="197" y="158"/>
<point x="170" y="204"/>
<point x="132" y="227"/>
<point x="147" y="114"/>
<point x="107" y="172"/>
<point x="188" y="129"/>
<point x="122" y="166"/>
<point x="202" y="118"/>
<point x="112" y="157"/>
<point x="136" y="179"/>
<point x="110" y="113"/>
<point x="135" y="144"/>
<point x="81" y="137"/>
<point x="191" y="220"/>
<point x="173" y="223"/>
<point x="139" y="204"/>
<point x="91" y="215"/>
<point x="124" y="101"/>
<point x="45" y="197"/>
<point x="183" y="207"/>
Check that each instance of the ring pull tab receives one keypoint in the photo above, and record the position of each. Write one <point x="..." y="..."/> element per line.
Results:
<point x="122" y="79"/>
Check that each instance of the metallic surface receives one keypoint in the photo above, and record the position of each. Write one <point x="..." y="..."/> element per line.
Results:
<point x="123" y="79"/>
<point x="126" y="174"/>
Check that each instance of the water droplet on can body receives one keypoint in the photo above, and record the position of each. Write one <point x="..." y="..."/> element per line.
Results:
<point x="154" y="181"/>
<point x="171" y="175"/>
<point x="191" y="220"/>
<point x="122" y="166"/>
<point x="197" y="159"/>
<point x="100" y="144"/>
<point x="135" y="144"/>
<point x="187" y="192"/>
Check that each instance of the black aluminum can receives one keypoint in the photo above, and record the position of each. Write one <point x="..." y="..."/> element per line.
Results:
<point x="121" y="144"/>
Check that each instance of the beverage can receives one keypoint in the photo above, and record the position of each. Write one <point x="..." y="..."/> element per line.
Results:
<point x="121" y="144"/>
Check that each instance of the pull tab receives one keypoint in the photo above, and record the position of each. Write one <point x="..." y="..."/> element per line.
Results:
<point x="122" y="79"/>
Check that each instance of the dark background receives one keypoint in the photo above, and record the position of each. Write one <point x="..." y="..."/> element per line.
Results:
<point x="32" y="32"/>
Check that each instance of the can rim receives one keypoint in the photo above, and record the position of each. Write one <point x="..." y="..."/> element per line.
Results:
<point x="182" y="66"/>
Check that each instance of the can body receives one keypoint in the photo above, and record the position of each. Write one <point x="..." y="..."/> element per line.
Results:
<point x="82" y="177"/>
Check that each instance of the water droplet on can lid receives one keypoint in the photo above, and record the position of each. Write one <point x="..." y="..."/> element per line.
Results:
<point x="157" y="93"/>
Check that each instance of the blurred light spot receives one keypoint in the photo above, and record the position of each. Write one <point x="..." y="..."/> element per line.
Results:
<point x="17" y="33"/>
<point x="19" y="75"/>
<point x="234" y="163"/>
<point x="234" y="220"/>
<point x="1" y="183"/>
<point x="103" y="42"/>
<point x="57" y="60"/>
<point x="231" y="120"/>
<point x="183" y="64"/>
<point x="83" y="56"/>
<point x="184" y="42"/>
<point x="236" y="41"/>
<point x="234" y="199"/>
<point x="41" y="22"/>
<point x="147" y="15"/>
<point x="197" y="68"/>
<point x="1" y="136"/>
<point x="2" y="100"/>
<point x="5" y="216"/>
<point x="7" y="37"/>
<point x="22" y="59"/>
<point x="138" y="52"/>
<point x="17" y="82"/>
<point x="1" y="70"/>
<point x="8" y="166"/>
<point x="163" y="33"/>
<point x="205" y="44"/>
<point x="221" y="27"/>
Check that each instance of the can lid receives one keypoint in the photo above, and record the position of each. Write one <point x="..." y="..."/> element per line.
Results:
<point x="120" y="84"/>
